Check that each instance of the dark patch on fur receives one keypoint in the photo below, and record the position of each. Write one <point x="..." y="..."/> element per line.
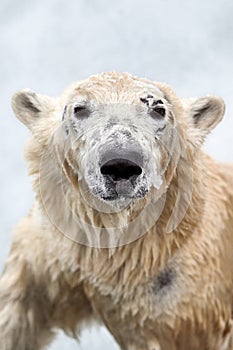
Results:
<point x="161" y="129"/>
<point x="73" y="123"/>
<point x="155" y="103"/>
<point x="227" y="329"/>
<point x="64" y="123"/>
<point x="164" y="280"/>
<point x="144" y="100"/>
<point x="29" y="105"/>
<point x="66" y="129"/>
<point x="64" y="113"/>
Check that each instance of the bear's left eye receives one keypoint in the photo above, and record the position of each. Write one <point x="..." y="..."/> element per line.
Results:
<point x="157" y="111"/>
<point x="156" y="108"/>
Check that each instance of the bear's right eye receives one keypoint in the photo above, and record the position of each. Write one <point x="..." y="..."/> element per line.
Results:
<point x="81" y="111"/>
<point x="78" y="109"/>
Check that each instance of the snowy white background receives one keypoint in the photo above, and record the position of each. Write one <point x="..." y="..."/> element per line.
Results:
<point x="45" y="45"/>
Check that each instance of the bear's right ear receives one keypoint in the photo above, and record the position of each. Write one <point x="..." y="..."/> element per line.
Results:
<point x="29" y="106"/>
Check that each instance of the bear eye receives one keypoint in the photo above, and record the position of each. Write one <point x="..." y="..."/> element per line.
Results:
<point x="81" y="111"/>
<point x="79" y="108"/>
<point x="157" y="110"/>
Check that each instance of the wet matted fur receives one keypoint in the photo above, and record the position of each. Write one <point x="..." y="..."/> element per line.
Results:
<point x="132" y="224"/>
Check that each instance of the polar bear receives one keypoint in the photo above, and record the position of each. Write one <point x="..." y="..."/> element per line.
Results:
<point x="132" y="224"/>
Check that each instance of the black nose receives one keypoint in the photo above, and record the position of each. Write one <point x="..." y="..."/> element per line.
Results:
<point x="120" y="169"/>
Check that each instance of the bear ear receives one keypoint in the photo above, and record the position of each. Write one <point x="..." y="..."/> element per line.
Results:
<point x="205" y="113"/>
<point x="29" y="106"/>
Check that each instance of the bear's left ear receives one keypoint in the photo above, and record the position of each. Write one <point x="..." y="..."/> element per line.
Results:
<point x="205" y="113"/>
<point x="29" y="106"/>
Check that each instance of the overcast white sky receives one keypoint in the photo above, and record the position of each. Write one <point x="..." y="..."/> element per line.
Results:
<point x="45" y="45"/>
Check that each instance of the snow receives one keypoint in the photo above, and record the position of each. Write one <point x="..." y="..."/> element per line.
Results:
<point x="45" y="45"/>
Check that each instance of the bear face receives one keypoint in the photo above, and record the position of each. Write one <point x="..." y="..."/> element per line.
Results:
<point x="120" y="156"/>
<point x="117" y="141"/>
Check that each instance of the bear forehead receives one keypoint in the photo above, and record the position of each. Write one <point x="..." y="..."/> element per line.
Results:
<point x="114" y="87"/>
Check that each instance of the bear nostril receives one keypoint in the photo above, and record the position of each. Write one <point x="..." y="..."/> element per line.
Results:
<point x="120" y="169"/>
